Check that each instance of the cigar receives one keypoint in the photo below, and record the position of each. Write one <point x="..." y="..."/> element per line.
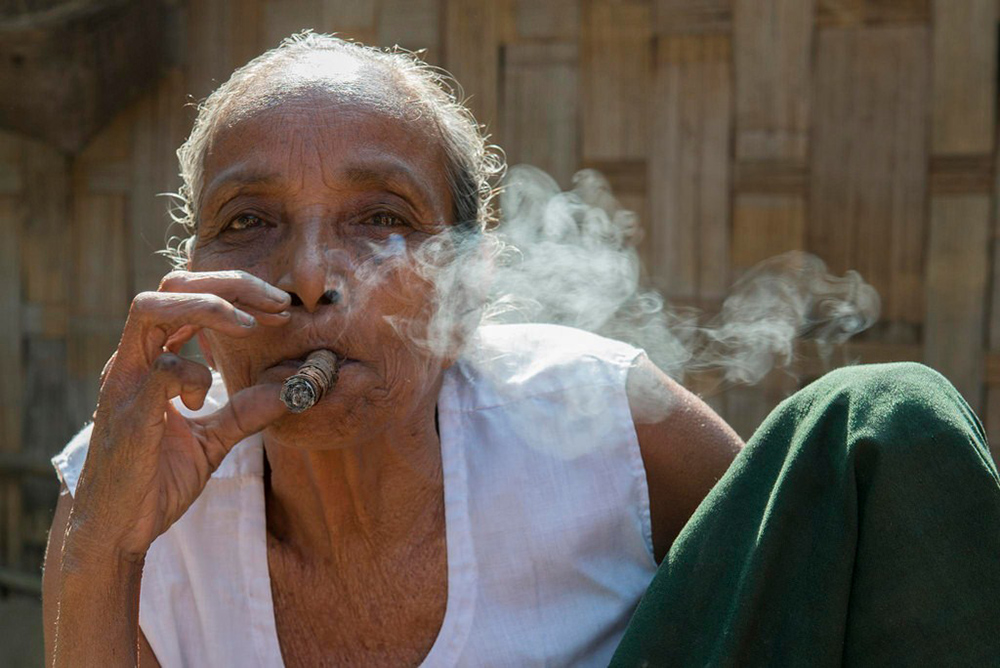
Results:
<point x="317" y="375"/>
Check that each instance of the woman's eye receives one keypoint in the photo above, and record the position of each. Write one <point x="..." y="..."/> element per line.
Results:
<point x="245" y="221"/>
<point x="384" y="219"/>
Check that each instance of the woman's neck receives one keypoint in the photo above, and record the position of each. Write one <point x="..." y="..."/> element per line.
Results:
<point x="382" y="495"/>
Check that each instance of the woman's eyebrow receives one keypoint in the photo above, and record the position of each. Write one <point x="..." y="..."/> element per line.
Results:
<point x="391" y="176"/>
<point x="237" y="178"/>
<point x="382" y="176"/>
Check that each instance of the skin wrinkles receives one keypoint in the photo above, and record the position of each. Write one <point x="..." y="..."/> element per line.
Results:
<point x="314" y="231"/>
<point x="385" y="176"/>
<point x="355" y="489"/>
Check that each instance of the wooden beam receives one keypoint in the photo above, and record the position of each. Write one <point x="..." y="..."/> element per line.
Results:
<point x="869" y="160"/>
<point x="690" y="168"/>
<point x="854" y="13"/>
<point x="159" y="126"/>
<point x="101" y="265"/>
<point x="12" y="223"/>
<point x="12" y="215"/>
<point x="692" y="17"/>
<point x="957" y="276"/>
<point x="772" y="56"/>
<point x="20" y="464"/>
<point x="55" y="73"/>
<point x="473" y="34"/>
<point x="17" y="581"/>
<point x="765" y="226"/>
<point x="616" y="69"/>
<point x="626" y="176"/>
<point x="413" y="25"/>
<point x="965" y="76"/>
<point x="961" y="174"/>
<point x="790" y="177"/>
<point x="539" y="114"/>
<point x="555" y="20"/>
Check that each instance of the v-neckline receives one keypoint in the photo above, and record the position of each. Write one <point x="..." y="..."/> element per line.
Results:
<point x="460" y="558"/>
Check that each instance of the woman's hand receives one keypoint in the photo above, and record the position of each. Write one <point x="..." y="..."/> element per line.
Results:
<point x="147" y="463"/>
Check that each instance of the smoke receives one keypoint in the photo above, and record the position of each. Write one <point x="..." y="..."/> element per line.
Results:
<point x="576" y="264"/>
<point x="784" y="298"/>
<point x="570" y="258"/>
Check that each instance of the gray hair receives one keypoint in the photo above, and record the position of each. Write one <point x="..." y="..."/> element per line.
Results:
<point x="472" y="164"/>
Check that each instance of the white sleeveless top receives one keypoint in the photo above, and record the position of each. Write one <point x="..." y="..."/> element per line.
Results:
<point x="549" y="544"/>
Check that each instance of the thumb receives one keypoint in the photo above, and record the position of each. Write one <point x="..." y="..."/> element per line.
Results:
<point x="248" y="411"/>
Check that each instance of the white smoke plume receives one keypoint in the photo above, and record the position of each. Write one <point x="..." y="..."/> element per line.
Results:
<point x="570" y="258"/>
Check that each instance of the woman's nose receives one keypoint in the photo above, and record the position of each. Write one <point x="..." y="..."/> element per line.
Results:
<point x="313" y="277"/>
<point x="328" y="298"/>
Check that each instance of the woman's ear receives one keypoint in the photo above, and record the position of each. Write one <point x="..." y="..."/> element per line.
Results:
<point x="206" y="349"/>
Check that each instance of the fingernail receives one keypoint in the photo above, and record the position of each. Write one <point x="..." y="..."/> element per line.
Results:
<point x="245" y="318"/>
<point x="285" y="314"/>
<point x="278" y="295"/>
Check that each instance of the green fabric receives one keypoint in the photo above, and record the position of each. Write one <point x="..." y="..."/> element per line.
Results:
<point x="859" y="527"/>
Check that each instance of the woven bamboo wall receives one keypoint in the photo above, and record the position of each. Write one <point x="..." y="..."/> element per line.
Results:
<point x="859" y="130"/>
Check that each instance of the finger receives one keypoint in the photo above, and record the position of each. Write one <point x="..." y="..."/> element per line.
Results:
<point x="177" y="340"/>
<point x="239" y="287"/>
<point x="107" y="368"/>
<point x="156" y="316"/>
<point x="248" y="411"/>
<point x="172" y="376"/>
<point x="269" y="319"/>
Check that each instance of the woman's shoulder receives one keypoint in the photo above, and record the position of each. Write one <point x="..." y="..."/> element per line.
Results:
<point x="542" y="339"/>
<point x="69" y="462"/>
<point x="513" y="362"/>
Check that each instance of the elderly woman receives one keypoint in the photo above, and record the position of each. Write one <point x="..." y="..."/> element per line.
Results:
<point x="498" y="495"/>
<point x="419" y="511"/>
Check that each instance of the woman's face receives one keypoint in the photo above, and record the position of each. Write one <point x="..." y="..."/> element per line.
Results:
<point x="329" y="193"/>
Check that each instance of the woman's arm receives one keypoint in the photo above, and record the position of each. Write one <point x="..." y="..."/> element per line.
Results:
<point x="92" y="610"/>
<point x="685" y="446"/>
<point x="146" y="461"/>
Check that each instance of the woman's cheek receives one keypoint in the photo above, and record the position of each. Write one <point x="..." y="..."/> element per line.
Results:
<point x="216" y="254"/>
<point x="404" y="373"/>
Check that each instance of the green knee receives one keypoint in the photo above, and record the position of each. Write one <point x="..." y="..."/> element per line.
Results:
<point x="900" y="408"/>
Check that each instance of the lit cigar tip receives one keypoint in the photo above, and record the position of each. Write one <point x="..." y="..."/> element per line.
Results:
<point x="316" y="376"/>
<point x="298" y="394"/>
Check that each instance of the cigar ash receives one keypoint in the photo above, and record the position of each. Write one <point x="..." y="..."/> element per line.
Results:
<point x="317" y="376"/>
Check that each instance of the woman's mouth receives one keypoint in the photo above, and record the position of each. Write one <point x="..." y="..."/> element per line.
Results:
<point x="283" y="370"/>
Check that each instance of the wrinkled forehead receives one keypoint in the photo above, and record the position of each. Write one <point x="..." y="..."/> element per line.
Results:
<point x="323" y="78"/>
<point x="327" y="120"/>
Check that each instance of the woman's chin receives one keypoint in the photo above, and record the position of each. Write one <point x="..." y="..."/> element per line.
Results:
<point x="327" y="425"/>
